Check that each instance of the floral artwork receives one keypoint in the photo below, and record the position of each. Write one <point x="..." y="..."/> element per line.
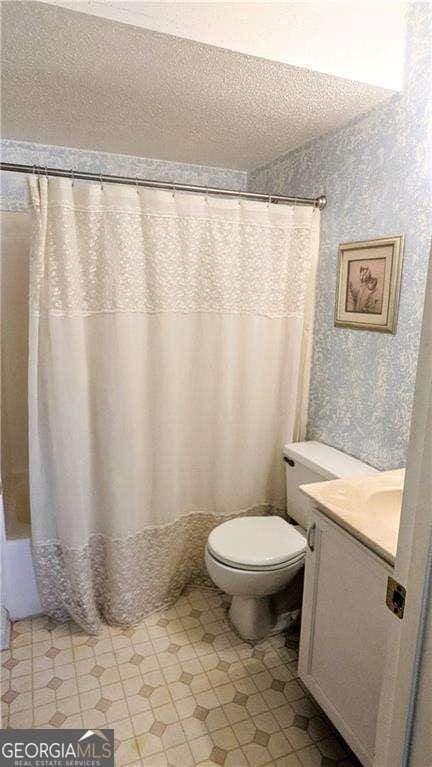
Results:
<point x="368" y="284"/>
<point x="365" y="286"/>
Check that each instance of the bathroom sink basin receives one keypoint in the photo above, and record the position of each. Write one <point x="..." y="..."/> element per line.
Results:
<point x="369" y="507"/>
<point x="375" y="494"/>
<point x="384" y="501"/>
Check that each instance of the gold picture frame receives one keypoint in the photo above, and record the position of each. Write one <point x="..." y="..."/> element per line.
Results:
<point x="368" y="284"/>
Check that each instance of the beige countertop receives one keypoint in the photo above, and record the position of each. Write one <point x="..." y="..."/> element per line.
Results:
<point x="368" y="507"/>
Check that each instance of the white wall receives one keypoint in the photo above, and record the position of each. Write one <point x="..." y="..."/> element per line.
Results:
<point x="19" y="594"/>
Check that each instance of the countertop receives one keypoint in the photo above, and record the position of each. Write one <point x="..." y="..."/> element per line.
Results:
<point x="368" y="507"/>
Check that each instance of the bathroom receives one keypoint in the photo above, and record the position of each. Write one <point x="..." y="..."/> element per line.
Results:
<point x="216" y="437"/>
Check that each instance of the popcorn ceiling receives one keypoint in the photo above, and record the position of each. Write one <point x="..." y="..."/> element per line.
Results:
<point x="70" y="79"/>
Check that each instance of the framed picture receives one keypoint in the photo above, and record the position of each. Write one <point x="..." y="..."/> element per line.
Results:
<point x="368" y="284"/>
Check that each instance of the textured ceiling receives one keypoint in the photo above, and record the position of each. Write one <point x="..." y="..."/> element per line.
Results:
<point x="77" y="80"/>
<point x="324" y="36"/>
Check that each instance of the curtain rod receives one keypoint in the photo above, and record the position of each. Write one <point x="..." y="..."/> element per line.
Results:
<point x="318" y="202"/>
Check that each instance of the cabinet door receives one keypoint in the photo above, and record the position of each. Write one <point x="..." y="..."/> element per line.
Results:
<point x="343" y="633"/>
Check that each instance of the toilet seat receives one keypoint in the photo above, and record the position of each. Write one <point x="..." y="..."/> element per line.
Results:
<point x="256" y="568"/>
<point x="256" y="543"/>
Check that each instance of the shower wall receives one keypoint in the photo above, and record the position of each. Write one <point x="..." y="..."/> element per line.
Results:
<point x="15" y="238"/>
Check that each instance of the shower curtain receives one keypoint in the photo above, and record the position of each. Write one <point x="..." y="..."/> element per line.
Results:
<point x="168" y="364"/>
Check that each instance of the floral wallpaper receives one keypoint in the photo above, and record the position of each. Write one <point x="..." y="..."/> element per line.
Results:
<point x="14" y="193"/>
<point x="376" y="173"/>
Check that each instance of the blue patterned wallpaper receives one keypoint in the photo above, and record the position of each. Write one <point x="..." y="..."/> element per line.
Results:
<point x="14" y="195"/>
<point x="376" y="173"/>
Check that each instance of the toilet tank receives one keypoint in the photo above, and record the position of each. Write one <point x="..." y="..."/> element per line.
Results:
<point x="315" y="462"/>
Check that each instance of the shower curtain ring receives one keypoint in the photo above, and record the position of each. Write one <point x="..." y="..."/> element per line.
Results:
<point x="269" y="201"/>
<point x="206" y="194"/>
<point x="173" y="191"/>
<point x="101" y="182"/>
<point x="136" y="184"/>
<point x="72" y="176"/>
<point x="46" y="173"/>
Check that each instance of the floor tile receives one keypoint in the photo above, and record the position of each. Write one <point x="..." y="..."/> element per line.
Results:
<point x="256" y="755"/>
<point x="298" y="737"/>
<point x="310" y="757"/>
<point x="127" y="752"/>
<point x="290" y="760"/>
<point x="179" y="755"/>
<point x="180" y="689"/>
<point x="332" y="748"/>
<point x="279" y="745"/>
<point x="142" y="722"/>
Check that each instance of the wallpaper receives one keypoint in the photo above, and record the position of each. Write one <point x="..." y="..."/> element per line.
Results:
<point x="377" y="176"/>
<point x="14" y="193"/>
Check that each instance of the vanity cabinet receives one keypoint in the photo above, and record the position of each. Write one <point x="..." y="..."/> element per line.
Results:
<point x="344" y="630"/>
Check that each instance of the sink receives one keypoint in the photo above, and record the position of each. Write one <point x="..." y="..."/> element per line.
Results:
<point x="368" y="507"/>
<point x="377" y="494"/>
<point x="384" y="500"/>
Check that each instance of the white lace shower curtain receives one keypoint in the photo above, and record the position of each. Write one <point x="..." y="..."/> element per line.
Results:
<point x="169" y="359"/>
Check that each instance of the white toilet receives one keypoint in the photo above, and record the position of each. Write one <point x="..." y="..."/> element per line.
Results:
<point x="252" y="558"/>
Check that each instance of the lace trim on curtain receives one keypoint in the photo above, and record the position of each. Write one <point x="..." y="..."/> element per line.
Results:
<point x="123" y="580"/>
<point x="93" y="264"/>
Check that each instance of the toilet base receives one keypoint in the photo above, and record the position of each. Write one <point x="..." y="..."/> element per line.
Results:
<point x="252" y="617"/>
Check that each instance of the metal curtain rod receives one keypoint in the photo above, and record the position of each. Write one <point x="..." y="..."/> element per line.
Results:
<point x="318" y="202"/>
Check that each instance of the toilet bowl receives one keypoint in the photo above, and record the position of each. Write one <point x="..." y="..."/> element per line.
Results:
<point x="251" y="558"/>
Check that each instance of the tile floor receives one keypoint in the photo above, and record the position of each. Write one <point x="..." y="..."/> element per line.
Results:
<point x="178" y="689"/>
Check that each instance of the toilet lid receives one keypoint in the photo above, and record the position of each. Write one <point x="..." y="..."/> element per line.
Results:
<point x="256" y="542"/>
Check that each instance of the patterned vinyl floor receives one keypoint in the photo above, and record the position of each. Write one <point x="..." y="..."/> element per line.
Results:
<point x="180" y="688"/>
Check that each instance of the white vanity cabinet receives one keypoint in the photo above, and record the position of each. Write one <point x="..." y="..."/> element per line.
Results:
<point x="344" y="630"/>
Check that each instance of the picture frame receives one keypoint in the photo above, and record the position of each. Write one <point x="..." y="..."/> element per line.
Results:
<point x="368" y="284"/>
